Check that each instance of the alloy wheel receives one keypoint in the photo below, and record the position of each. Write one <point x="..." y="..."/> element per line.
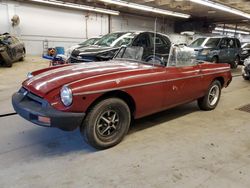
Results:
<point x="108" y="123"/>
<point x="213" y="95"/>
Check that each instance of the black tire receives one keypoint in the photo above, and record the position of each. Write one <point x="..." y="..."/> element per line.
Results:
<point x="107" y="123"/>
<point x="211" y="98"/>
<point x="23" y="56"/>
<point x="245" y="77"/>
<point x="215" y="59"/>
<point x="8" y="64"/>
<point x="236" y="62"/>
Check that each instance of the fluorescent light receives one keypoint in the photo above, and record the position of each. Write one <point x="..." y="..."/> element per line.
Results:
<point x="78" y="6"/>
<point x="146" y="8"/>
<point x="222" y="7"/>
<point x="232" y="31"/>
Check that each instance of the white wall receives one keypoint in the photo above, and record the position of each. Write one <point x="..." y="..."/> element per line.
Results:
<point x="141" y="23"/>
<point x="61" y="27"/>
<point x="66" y="27"/>
<point x="4" y="26"/>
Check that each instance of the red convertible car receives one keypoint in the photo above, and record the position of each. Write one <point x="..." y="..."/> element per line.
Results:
<point x="102" y="97"/>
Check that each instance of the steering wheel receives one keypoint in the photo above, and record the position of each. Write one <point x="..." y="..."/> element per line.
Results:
<point x="155" y="59"/>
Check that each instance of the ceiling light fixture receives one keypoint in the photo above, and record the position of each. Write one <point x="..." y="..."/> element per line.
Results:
<point x="231" y="31"/>
<point x="222" y="7"/>
<point x="78" y="6"/>
<point x="146" y="8"/>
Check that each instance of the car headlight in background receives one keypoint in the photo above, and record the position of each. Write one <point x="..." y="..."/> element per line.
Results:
<point x="66" y="96"/>
<point x="29" y="75"/>
<point x="205" y="52"/>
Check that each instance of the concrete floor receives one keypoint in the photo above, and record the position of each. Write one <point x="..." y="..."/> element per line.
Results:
<point x="181" y="147"/>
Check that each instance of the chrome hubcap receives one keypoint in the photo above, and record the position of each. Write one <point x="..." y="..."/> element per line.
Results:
<point x="107" y="124"/>
<point x="213" y="95"/>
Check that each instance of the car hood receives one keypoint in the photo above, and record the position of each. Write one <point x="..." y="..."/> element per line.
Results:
<point x="91" y="50"/>
<point x="49" y="80"/>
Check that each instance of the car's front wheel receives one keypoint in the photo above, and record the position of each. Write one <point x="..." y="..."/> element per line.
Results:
<point x="236" y="62"/>
<point x="22" y="56"/>
<point x="211" y="98"/>
<point x="106" y="123"/>
<point x="245" y="77"/>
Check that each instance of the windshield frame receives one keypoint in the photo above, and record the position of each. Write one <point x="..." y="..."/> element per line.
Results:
<point x="134" y="60"/>
<point x="204" y="39"/>
<point x="212" y="38"/>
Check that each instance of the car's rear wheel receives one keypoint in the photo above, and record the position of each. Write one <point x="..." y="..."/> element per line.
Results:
<point x="245" y="77"/>
<point x="106" y="123"/>
<point x="211" y="98"/>
<point x="215" y="59"/>
<point x="236" y="62"/>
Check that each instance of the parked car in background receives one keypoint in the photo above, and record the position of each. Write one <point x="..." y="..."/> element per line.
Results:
<point x="88" y="42"/>
<point x="103" y="97"/>
<point x="218" y="50"/>
<point x="246" y="69"/>
<point x="245" y="51"/>
<point x="109" y="44"/>
<point x="11" y="49"/>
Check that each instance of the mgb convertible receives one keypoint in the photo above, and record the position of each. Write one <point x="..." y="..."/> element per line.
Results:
<point x="101" y="98"/>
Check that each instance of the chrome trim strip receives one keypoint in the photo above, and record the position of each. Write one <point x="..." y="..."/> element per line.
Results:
<point x="144" y="84"/>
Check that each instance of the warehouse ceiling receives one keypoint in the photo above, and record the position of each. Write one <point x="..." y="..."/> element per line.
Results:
<point x="197" y="11"/>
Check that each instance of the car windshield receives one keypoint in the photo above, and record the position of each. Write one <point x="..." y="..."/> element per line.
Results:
<point x="212" y="42"/>
<point x="5" y="39"/>
<point x="197" y="43"/>
<point x="112" y="39"/>
<point x="90" y="41"/>
<point x="130" y="53"/>
<point x="124" y="40"/>
<point x="179" y="56"/>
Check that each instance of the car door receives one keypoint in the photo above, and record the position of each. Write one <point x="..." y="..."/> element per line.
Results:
<point x="162" y="47"/>
<point x="223" y="52"/>
<point x="143" y="40"/>
<point x="232" y="50"/>
<point x="184" y="82"/>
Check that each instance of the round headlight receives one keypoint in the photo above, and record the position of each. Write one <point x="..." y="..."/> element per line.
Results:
<point x="66" y="96"/>
<point x="29" y="75"/>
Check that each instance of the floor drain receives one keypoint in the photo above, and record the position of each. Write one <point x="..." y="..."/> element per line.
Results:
<point x="245" y="108"/>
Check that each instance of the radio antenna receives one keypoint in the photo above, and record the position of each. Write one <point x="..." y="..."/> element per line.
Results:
<point x="154" y="41"/>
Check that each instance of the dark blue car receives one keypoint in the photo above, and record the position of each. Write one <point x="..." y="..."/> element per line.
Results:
<point x="218" y="50"/>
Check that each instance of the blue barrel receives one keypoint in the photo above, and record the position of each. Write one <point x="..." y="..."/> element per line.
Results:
<point x="59" y="50"/>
